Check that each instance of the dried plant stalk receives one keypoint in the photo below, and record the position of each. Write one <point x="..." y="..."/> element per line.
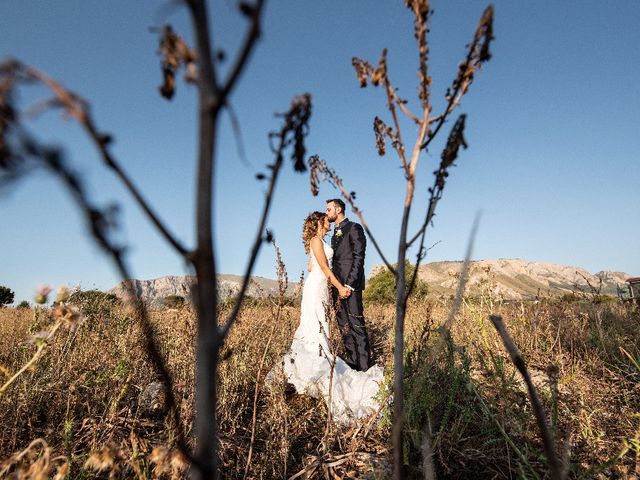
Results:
<point x="516" y="357"/>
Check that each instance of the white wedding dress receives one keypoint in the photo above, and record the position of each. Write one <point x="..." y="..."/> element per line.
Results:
<point x="307" y="365"/>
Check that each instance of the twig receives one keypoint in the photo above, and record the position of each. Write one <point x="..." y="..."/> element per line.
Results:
<point x="457" y="301"/>
<point x="518" y="361"/>
<point x="237" y="133"/>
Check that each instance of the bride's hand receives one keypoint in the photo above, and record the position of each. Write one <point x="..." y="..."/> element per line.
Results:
<point x="344" y="292"/>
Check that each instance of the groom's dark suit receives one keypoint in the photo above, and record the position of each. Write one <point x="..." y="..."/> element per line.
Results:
<point x="349" y="244"/>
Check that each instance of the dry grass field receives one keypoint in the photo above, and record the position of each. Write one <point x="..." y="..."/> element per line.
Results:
<point x="84" y="397"/>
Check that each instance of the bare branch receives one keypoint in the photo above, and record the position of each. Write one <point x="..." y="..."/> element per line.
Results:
<point x="319" y="171"/>
<point x="402" y="104"/>
<point x="538" y="411"/>
<point x="207" y="77"/>
<point x="254" y="12"/>
<point x="478" y="54"/>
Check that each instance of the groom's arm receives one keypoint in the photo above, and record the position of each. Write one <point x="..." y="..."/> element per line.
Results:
<point x="358" y="245"/>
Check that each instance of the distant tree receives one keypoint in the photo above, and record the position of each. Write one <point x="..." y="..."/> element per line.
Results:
<point x="381" y="288"/>
<point x="24" y="304"/>
<point x="6" y="296"/>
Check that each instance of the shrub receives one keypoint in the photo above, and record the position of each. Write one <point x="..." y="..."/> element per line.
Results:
<point x="24" y="304"/>
<point x="94" y="304"/>
<point x="382" y="286"/>
<point x="173" y="301"/>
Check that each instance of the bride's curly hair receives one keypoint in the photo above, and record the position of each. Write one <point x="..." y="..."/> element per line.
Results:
<point x="310" y="228"/>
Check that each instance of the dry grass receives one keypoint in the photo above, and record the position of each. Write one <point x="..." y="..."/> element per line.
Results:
<point x="468" y="406"/>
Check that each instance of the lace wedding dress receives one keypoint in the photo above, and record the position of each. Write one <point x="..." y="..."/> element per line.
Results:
<point x="307" y="365"/>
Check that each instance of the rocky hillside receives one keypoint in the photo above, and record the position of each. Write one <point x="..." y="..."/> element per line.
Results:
<point x="503" y="278"/>
<point x="516" y="279"/>
<point x="153" y="292"/>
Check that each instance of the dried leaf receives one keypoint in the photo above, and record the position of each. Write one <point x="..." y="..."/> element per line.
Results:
<point x="175" y="54"/>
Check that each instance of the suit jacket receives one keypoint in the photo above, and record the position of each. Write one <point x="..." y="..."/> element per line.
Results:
<point x="348" y="254"/>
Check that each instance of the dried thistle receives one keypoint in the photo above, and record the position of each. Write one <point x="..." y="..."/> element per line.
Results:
<point x="281" y="271"/>
<point x="365" y="72"/>
<point x="68" y="315"/>
<point x="63" y="294"/>
<point x="168" y="462"/>
<point x="175" y="53"/>
<point x="296" y="128"/>
<point x="381" y="130"/>
<point x="421" y="12"/>
<point x="35" y="462"/>
<point x="448" y="156"/>
<point x="42" y="294"/>
<point x="478" y="54"/>
<point x="107" y="459"/>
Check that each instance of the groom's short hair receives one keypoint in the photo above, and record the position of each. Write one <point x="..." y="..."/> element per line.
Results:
<point x="339" y="203"/>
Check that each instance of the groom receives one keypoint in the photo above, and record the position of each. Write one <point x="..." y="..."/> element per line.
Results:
<point x="349" y="243"/>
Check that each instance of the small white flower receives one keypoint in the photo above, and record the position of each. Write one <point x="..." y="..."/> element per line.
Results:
<point x="338" y="232"/>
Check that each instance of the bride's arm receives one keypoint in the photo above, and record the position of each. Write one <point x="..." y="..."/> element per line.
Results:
<point x="318" y="252"/>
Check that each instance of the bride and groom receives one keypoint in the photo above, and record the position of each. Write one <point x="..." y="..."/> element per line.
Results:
<point x="349" y="385"/>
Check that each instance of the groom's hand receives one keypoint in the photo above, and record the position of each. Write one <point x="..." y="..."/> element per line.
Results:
<point x="344" y="292"/>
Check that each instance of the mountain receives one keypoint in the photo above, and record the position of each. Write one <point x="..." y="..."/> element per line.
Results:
<point x="515" y="278"/>
<point x="154" y="291"/>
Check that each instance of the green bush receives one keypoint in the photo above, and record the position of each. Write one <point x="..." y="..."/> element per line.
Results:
<point x="382" y="287"/>
<point x="94" y="304"/>
<point x="24" y="304"/>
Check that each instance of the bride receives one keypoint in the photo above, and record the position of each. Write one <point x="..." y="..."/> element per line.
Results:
<point x="311" y="366"/>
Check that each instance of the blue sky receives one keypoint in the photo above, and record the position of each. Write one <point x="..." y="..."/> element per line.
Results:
<point x="552" y="127"/>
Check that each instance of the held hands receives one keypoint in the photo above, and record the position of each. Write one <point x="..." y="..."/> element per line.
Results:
<point x="344" y="292"/>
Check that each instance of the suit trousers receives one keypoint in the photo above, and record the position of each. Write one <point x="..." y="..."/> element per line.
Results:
<point x="350" y="319"/>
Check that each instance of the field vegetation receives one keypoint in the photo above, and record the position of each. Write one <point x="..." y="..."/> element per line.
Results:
<point x="91" y="406"/>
